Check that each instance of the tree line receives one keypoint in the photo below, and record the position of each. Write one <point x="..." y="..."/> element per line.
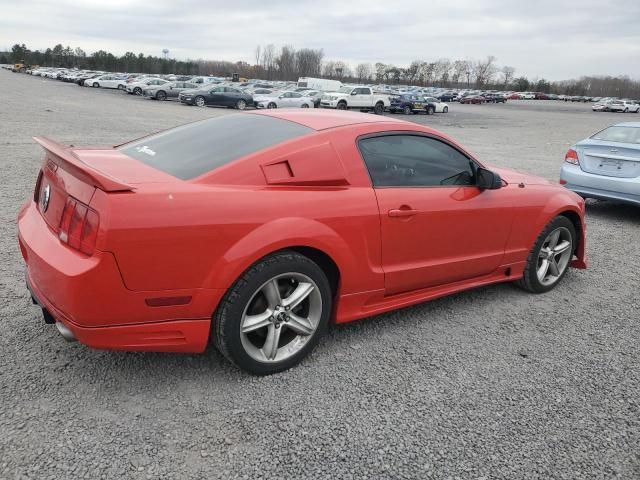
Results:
<point x="289" y="63"/>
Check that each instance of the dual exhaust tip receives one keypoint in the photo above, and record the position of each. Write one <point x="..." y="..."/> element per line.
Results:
<point x="65" y="332"/>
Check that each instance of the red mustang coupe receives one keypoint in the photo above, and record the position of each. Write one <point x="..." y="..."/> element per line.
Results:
<point x="255" y="230"/>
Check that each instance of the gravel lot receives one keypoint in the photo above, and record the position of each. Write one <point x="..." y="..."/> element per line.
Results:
<point x="492" y="383"/>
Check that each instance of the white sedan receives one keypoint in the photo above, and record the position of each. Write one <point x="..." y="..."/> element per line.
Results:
<point x="106" y="81"/>
<point x="283" y="100"/>
<point x="624" y="106"/>
<point x="138" y="87"/>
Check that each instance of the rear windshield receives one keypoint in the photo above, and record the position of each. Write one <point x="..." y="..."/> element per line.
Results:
<point x="188" y="151"/>
<point x="619" y="135"/>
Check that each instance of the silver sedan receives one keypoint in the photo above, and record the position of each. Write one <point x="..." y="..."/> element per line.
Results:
<point x="606" y="165"/>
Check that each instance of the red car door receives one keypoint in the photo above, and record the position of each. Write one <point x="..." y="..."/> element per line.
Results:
<point x="436" y="226"/>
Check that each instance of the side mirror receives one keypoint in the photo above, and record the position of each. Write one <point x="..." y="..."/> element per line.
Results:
<point x="487" y="180"/>
<point x="354" y="93"/>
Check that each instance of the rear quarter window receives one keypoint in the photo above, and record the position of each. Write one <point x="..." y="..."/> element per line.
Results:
<point x="192" y="150"/>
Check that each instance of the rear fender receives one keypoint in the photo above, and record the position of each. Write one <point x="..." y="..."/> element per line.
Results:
<point x="281" y="234"/>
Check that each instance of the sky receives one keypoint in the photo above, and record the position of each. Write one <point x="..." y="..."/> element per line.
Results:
<point x="551" y="39"/>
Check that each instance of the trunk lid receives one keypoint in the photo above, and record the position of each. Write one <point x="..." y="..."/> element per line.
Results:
<point x="78" y="172"/>
<point x="609" y="159"/>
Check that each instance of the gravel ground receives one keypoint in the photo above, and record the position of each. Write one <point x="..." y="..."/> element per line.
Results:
<point x="493" y="383"/>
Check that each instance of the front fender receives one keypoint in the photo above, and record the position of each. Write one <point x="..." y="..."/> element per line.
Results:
<point x="557" y="204"/>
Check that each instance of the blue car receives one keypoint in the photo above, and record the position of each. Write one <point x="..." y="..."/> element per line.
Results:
<point x="408" y="104"/>
<point x="606" y="165"/>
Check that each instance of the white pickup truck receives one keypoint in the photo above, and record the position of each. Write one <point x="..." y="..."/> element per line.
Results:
<point x="358" y="98"/>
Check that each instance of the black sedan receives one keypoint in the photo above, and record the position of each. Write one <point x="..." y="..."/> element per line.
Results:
<point x="495" y="98"/>
<point x="218" y="96"/>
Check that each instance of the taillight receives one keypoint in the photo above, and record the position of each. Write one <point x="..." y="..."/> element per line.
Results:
<point x="79" y="226"/>
<point x="572" y="157"/>
<point x="36" y="192"/>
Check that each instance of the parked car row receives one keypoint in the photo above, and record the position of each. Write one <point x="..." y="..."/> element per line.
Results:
<point x="215" y="91"/>
<point x="615" y="105"/>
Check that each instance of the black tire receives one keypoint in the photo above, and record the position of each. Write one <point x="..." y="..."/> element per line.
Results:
<point x="430" y="110"/>
<point x="121" y="87"/>
<point x="342" y="105"/>
<point x="272" y="105"/>
<point x="199" y="101"/>
<point x="407" y="110"/>
<point x="529" y="280"/>
<point x="304" y="105"/>
<point x="241" y="104"/>
<point x="161" y="95"/>
<point x="96" y="85"/>
<point x="137" y="91"/>
<point x="379" y="108"/>
<point x="225" y="331"/>
<point x="445" y="110"/>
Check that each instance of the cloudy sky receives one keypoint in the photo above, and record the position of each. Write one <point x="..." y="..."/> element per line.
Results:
<point x="554" y="39"/>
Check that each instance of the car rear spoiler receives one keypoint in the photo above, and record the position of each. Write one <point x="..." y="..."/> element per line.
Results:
<point x="64" y="156"/>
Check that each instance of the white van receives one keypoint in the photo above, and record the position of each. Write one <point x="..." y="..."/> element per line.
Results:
<point x="319" y="84"/>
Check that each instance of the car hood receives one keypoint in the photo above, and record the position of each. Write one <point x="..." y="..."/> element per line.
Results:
<point x="515" y="177"/>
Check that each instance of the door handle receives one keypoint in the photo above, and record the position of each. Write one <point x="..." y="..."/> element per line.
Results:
<point x="402" y="212"/>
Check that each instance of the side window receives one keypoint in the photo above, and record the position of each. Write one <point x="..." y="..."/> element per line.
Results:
<point x="414" y="161"/>
<point x="295" y="95"/>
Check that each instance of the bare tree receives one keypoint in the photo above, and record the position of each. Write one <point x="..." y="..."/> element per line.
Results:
<point x="459" y="70"/>
<point x="441" y="71"/>
<point x="329" y="68"/>
<point x="507" y="75"/>
<point x="381" y="70"/>
<point x="484" y="70"/>
<point x="268" y="60"/>
<point x="286" y="63"/>
<point x="363" y="72"/>
<point x="413" y="71"/>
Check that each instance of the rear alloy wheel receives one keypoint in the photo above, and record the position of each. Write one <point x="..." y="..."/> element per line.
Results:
<point x="430" y="110"/>
<point x="407" y="110"/>
<point x="274" y="314"/>
<point x="96" y="84"/>
<point x="199" y="101"/>
<point x="121" y="87"/>
<point x="379" y="108"/>
<point x="161" y="95"/>
<point x="304" y="105"/>
<point x="272" y="105"/>
<point x="137" y="91"/>
<point x="550" y="257"/>
<point x="241" y="105"/>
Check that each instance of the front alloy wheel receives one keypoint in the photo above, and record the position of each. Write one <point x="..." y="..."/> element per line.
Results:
<point x="200" y="101"/>
<point x="550" y="257"/>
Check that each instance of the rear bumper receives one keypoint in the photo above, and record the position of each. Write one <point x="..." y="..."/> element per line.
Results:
<point x="88" y="296"/>
<point x="600" y="187"/>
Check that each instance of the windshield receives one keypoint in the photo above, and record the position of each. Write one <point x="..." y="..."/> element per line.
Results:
<point x="191" y="150"/>
<point x="345" y="89"/>
<point x="619" y="135"/>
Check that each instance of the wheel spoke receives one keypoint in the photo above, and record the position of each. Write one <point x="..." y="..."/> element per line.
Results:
<point x="270" y="347"/>
<point x="254" y="322"/>
<point x="543" y="269"/>
<point x="300" y="325"/>
<point x="553" y="267"/>
<point x="301" y="292"/>
<point x="562" y="247"/>
<point x="553" y="239"/>
<point x="272" y="292"/>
